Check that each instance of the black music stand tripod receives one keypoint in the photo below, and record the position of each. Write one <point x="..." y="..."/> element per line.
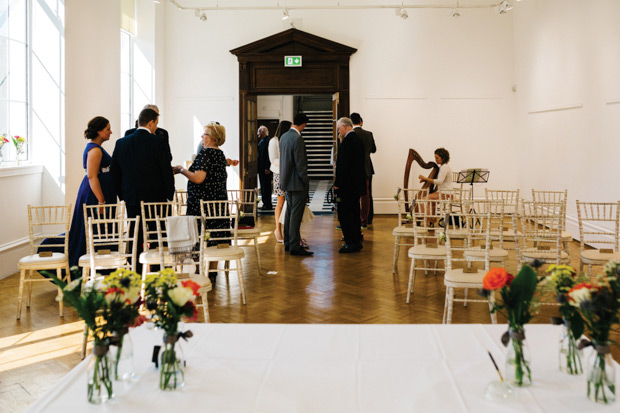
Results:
<point x="473" y="176"/>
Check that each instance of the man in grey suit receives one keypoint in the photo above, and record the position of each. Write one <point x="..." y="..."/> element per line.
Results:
<point x="294" y="180"/>
<point x="366" y="207"/>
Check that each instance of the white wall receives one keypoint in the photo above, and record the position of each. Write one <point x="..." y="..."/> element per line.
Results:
<point x="20" y="187"/>
<point x="92" y="41"/>
<point x="441" y="82"/>
<point x="568" y="98"/>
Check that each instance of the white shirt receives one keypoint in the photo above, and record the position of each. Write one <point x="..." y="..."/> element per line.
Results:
<point x="444" y="178"/>
<point x="274" y="154"/>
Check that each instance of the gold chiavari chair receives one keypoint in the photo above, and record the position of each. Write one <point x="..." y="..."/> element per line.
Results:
<point x="45" y="222"/>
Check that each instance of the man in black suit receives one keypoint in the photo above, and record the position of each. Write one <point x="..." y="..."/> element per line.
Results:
<point x="349" y="185"/>
<point x="264" y="173"/>
<point x="141" y="169"/>
<point x="159" y="131"/>
<point x="366" y="207"/>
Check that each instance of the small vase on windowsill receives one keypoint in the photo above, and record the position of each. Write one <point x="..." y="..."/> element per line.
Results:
<point x="21" y="155"/>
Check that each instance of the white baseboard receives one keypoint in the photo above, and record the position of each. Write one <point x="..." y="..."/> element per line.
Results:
<point x="385" y="206"/>
<point x="10" y="254"/>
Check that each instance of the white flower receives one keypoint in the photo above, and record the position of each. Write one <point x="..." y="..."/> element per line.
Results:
<point x="73" y="285"/>
<point x="133" y="294"/>
<point x="180" y="295"/>
<point x="579" y="296"/>
<point x="114" y="294"/>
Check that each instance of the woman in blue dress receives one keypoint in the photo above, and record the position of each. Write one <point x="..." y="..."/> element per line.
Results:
<point x="96" y="187"/>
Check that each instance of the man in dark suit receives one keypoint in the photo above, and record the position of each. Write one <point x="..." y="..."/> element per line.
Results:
<point x="264" y="173"/>
<point x="159" y="131"/>
<point x="350" y="185"/>
<point x="141" y="169"/>
<point x="294" y="180"/>
<point x="366" y="207"/>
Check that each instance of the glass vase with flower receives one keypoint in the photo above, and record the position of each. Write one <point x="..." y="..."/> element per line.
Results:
<point x="122" y="295"/>
<point x="171" y="300"/>
<point x="561" y="278"/>
<point x="598" y="302"/>
<point x="516" y="298"/>
<point x="90" y="304"/>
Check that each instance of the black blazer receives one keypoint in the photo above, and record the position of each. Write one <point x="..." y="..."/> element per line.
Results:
<point x="350" y="170"/>
<point x="263" y="155"/>
<point x="159" y="132"/>
<point x="141" y="169"/>
<point x="369" y="147"/>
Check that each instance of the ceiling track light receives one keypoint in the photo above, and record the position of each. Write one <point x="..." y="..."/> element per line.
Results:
<point x="402" y="13"/>
<point x="285" y="15"/>
<point x="504" y="7"/>
<point x="454" y="13"/>
<point x="200" y="14"/>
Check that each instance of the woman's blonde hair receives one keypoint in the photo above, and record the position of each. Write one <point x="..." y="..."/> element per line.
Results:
<point x="217" y="132"/>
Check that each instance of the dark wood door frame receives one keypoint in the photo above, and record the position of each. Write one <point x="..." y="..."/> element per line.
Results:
<point x="325" y="70"/>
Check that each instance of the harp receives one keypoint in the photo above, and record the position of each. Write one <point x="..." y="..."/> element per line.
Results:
<point x="414" y="156"/>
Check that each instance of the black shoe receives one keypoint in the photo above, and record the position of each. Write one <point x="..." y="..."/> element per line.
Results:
<point x="266" y="208"/>
<point x="212" y="277"/>
<point x="286" y="249"/>
<point x="349" y="248"/>
<point x="302" y="253"/>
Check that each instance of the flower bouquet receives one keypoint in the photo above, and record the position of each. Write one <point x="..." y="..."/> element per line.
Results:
<point x="171" y="300"/>
<point x="90" y="304"/>
<point x="561" y="278"/>
<point x="516" y="297"/>
<point x="122" y="296"/>
<point x="599" y="306"/>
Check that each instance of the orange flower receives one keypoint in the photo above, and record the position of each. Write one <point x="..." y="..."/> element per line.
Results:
<point x="496" y="278"/>
<point x="192" y="285"/>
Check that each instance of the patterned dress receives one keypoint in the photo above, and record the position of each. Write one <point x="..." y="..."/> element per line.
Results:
<point x="213" y="188"/>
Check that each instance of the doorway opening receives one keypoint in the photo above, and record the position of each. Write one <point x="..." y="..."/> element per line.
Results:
<point x="318" y="136"/>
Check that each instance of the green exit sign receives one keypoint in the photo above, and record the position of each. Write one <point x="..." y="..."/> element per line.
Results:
<point x="292" y="61"/>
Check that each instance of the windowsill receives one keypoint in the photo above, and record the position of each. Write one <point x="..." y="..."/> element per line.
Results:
<point x="16" y="170"/>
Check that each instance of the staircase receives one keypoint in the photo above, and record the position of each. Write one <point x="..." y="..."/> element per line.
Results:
<point x="318" y="136"/>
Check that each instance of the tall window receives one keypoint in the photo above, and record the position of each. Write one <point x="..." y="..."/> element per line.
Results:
<point x="13" y="71"/>
<point x="127" y="104"/>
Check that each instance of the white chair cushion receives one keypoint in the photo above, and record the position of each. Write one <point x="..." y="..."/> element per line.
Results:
<point x="223" y="254"/>
<point x="422" y="251"/>
<point x="494" y="254"/>
<point x="34" y="261"/>
<point x="403" y="231"/>
<point x="457" y="276"/>
<point x="102" y="260"/>
<point x="152" y="257"/>
<point x="458" y="233"/>
<point x="544" y="255"/>
<point x="248" y="232"/>
<point x="597" y="256"/>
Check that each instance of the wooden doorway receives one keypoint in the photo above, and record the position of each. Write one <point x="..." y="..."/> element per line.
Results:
<point x="324" y="70"/>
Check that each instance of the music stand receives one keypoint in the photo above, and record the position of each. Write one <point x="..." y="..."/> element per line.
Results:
<point x="473" y="176"/>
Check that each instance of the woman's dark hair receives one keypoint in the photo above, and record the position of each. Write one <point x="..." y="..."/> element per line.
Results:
<point x="443" y="154"/>
<point x="283" y="127"/>
<point x="95" y="125"/>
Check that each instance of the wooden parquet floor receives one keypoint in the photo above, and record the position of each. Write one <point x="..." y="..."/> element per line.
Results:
<point x="327" y="288"/>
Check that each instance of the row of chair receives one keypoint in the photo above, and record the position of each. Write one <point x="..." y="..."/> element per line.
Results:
<point x="537" y="229"/>
<point x="112" y="240"/>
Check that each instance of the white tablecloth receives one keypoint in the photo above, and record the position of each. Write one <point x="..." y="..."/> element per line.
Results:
<point x="335" y="368"/>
